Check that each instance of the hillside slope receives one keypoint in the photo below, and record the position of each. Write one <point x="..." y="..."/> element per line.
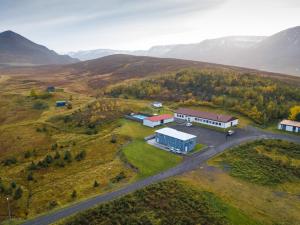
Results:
<point x="17" y="50"/>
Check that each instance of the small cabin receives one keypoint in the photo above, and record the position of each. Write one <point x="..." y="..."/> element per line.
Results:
<point x="156" y="104"/>
<point x="50" y="89"/>
<point x="61" y="103"/>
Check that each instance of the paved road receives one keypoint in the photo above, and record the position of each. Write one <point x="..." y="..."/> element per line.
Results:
<point x="188" y="164"/>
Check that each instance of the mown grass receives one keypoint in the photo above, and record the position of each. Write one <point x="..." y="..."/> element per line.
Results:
<point x="255" y="162"/>
<point x="169" y="202"/>
<point x="148" y="159"/>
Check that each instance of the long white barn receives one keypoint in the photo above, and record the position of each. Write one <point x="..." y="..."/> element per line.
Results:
<point x="206" y="118"/>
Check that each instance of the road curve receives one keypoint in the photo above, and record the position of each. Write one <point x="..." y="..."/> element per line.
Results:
<point x="190" y="163"/>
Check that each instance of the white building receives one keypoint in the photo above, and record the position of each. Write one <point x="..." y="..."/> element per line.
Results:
<point x="289" y="125"/>
<point x="154" y="121"/>
<point x="157" y="104"/>
<point x="206" y="118"/>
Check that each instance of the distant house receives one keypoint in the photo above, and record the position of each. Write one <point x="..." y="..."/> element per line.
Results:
<point x="51" y="89"/>
<point x="154" y="121"/>
<point x="206" y="118"/>
<point x="175" y="140"/>
<point x="289" y="125"/>
<point x="157" y="104"/>
<point x="61" y="103"/>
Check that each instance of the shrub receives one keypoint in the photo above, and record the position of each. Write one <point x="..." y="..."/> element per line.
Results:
<point x="68" y="156"/>
<point x="57" y="155"/>
<point x="9" y="161"/>
<point x="18" y="193"/>
<point x="119" y="177"/>
<point x="30" y="176"/>
<point x="96" y="184"/>
<point x="52" y="204"/>
<point x="39" y="105"/>
<point x="13" y="184"/>
<point x="81" y="155"/>
<point x="54" y="146"/>
<point x="74" y="194"/>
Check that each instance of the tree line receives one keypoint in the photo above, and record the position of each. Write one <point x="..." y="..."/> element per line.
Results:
<point x="260" y="98"/>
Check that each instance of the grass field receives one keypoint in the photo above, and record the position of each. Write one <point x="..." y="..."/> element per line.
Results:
<point x="169" y="202"/>
<point x="148" y="159"/>
<point x="249" y="178"/>
<point x="265" y="162"/>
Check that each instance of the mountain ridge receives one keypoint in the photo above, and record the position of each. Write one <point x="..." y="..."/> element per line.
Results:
<point x="279" y="53"/>
<point x="18" y="50"/>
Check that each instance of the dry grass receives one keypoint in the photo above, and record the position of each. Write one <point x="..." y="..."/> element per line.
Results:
<point x="266" y="204"/>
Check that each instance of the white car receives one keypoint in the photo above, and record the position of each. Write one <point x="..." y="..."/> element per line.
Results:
<point x="188" y="124"/>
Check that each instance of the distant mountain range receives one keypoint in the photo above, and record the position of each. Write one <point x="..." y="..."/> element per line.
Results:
<point x="277" y="53"/>
<point x="17" y="50"/>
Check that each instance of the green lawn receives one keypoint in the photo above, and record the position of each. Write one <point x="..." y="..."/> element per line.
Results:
<point x="148" y="159"/>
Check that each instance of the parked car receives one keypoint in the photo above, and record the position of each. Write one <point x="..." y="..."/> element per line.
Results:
<point x="188" y="124"/>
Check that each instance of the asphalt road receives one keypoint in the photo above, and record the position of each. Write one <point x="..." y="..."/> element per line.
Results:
<point x="190" y="163"/>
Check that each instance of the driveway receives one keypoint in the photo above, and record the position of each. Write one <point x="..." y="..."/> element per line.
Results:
<point x="191" y="163"/>
<point x="211" y="137"/>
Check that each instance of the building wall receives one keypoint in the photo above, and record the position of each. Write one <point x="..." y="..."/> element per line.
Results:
<point x="175" y="144"/>
<point x="206" y="121"/>
<point x="149" y="123"/>
<point x="289" y="128"/>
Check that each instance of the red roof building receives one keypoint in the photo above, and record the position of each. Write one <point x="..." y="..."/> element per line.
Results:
<point x="154" y="121"/>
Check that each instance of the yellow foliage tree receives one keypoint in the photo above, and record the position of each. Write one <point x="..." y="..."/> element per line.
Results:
<point x="294" y="111"/>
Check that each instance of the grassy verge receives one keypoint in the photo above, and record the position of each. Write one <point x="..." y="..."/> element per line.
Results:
<point x="198" y="148"/>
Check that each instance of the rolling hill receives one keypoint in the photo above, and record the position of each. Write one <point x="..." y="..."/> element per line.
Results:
<point x="17" y="50"/>
<point x="278" y="53"/>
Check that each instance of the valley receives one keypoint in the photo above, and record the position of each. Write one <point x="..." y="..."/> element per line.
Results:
<point x="62" y="157"/>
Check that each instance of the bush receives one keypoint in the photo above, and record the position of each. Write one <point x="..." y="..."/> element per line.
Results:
<point x="74" y="194"/>
<point x="30" y="176"/>
<point x="13" y="184"/>
<point x="96" y="184"/>
<point x="39" y="105"/>
<point x="68" y="156"/>
<point x="52" y="204"/>
<point x="9" y="161"/>
<point x="119" y="177"/>
<point x="18" y="193"/>
<point x="81" y="155"/>
<point x="54" y="146"/>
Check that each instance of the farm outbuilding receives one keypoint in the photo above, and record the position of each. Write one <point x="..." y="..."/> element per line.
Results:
<point x="157" y="104"/>
<point x="175" y="140"/>
<point x="289" y="125"/>
<point x="206" y="118"/>
<point x="61" y="103"/>
<point x="50" y="89"/>
<point x="154" y="121"/>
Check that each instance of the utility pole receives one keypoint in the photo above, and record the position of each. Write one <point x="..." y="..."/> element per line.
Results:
<point x="8" y="207"/>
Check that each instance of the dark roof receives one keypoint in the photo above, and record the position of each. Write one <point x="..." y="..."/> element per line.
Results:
<point x="206" y="115"/>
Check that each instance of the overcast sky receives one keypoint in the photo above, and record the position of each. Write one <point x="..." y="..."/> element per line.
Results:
<point x="69" y="25"/>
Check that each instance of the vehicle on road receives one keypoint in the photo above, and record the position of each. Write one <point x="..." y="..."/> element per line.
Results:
<point x="188" y="124"/>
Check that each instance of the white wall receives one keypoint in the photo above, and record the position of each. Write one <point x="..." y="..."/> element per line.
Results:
<point x="212" y="122"/>
<point x="288" y="128"/>
<point x="149" y="123"/>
